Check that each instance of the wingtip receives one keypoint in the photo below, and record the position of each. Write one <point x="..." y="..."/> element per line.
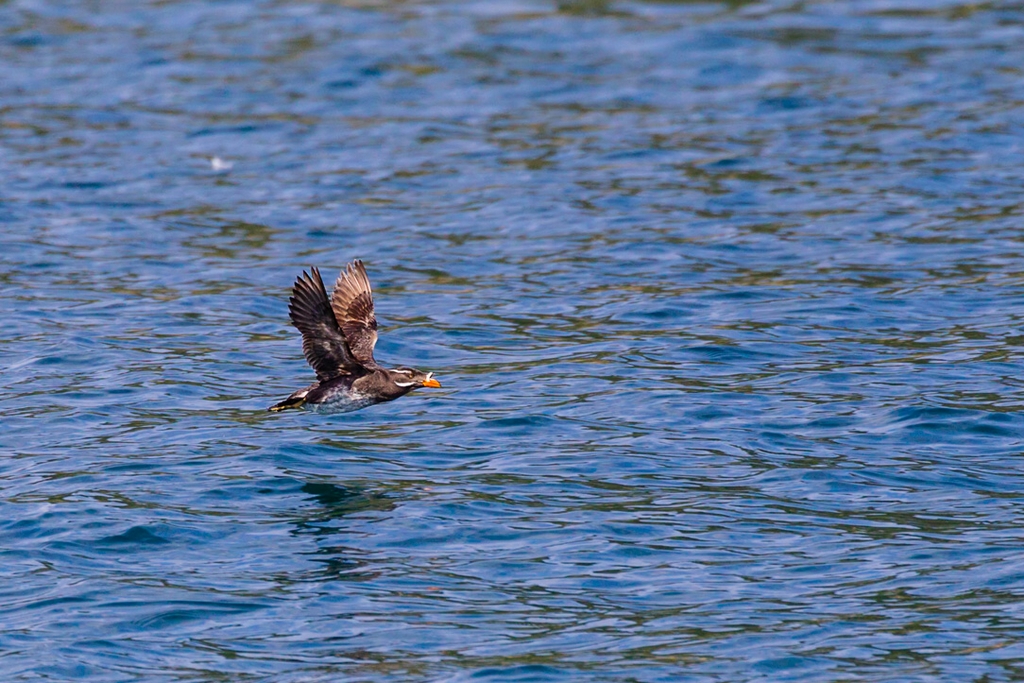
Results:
<point x="310" y="279"/>
<point x="315" y="278"/>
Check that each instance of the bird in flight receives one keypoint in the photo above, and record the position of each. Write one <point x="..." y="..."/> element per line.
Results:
<point x="338" y="336"/>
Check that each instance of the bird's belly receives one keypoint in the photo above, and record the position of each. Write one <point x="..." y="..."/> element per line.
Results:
<point x="341" y="401"/>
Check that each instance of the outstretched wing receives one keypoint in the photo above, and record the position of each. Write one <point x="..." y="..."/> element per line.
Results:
<point x="352" y="301"/>
<point x="322" y="340"/>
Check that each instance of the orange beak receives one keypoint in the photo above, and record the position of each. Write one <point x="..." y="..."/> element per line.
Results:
<point x="432" y="383"/>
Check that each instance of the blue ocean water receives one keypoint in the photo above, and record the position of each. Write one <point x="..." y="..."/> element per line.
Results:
<point x="726" y="299"/>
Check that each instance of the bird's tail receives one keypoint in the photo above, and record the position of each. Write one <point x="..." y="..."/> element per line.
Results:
<point x="296" y="400"/>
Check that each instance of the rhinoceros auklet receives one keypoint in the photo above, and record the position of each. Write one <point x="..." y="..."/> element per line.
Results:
<point x="338" y="336"/>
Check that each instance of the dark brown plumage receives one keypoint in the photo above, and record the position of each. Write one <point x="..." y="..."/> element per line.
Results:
<point x="338" y="336"/>
<point x="352" y="303"/>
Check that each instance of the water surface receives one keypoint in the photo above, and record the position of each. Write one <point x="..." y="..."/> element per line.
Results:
<point x="725" y="298"/>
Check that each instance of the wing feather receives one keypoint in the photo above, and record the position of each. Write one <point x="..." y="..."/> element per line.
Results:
<point x="352" y="303"/>
<point x="323" y="342"/>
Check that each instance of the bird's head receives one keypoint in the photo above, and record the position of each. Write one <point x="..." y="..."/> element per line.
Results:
<point x="410" y="379"/>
